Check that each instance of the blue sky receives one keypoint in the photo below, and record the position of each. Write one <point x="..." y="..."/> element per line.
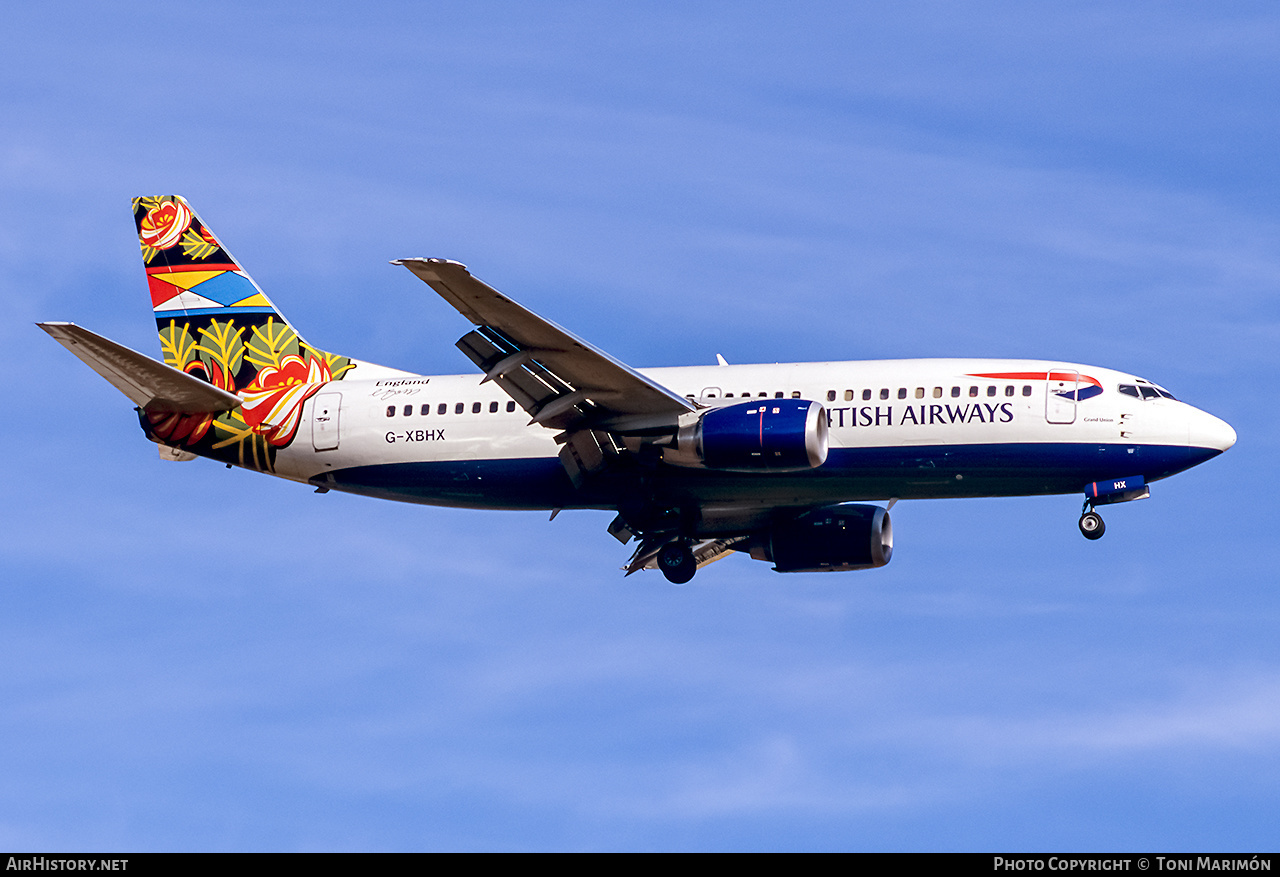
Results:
<point x="200" y="659"/>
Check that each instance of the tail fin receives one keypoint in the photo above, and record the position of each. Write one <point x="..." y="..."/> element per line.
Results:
<point x="191" y="275"/>
<point x="214" y="321"/>
<point x="217" y="325"/>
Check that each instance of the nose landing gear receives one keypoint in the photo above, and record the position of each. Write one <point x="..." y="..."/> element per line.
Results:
<point x="1091" y="523"/>
<point x="1125" y="489"/>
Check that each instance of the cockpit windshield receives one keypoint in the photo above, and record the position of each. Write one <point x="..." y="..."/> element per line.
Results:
<point x="1146" y="390"/>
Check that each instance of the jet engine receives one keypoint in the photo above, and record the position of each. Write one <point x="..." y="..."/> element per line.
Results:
<point x="832" y="539"/>
<point x="778" y="435"/>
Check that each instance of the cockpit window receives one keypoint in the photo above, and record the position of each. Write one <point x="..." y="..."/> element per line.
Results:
<point x="1146" y="391"/>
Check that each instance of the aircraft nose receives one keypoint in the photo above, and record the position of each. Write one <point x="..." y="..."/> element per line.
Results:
<point x="1210" y="433"/>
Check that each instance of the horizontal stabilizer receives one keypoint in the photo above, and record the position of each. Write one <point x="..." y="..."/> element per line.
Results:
<point x="152" y="386"/>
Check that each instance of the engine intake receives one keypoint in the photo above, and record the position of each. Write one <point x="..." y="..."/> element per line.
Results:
<point x="832" y="539"/>
<point x="779" y="435"/>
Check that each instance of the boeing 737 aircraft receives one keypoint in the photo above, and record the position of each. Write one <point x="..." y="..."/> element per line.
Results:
<point x="784" y="462"/>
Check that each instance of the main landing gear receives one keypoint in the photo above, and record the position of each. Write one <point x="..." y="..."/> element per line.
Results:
<point x="677" y="563"/>
<point x="1091" y="523"/>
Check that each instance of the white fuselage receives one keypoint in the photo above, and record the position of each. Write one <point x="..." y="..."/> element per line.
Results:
<point x="898" y="428"/>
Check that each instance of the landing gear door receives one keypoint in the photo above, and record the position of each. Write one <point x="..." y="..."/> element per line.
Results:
<point x="1060" y="396"/>
<point x="324" y="421"/>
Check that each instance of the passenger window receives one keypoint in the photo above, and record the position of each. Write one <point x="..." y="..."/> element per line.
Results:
<point x="762" y="394"/>
<point x="991" y="390"/>
<point x="937" y="392"/>
<point x="831" y="395"/>
<point x="1026" y="389"/>
<point x="391" y="411"/>
<point x="795" y="394"/>
<point x="866" y="395"/>
<point x="424" y="410"/>
<point x="955" y="392"/>
<point x="408" y="409"/>
<point x="493" y="407"/>
<point x="848" y="395"/>
<point x="511" y="406"/>
<point x="728" y="395"/>
<point x="442" y="408"/>
<point x="475" y="407"/>
<point x="1130" y="390"/>
<point x="459" y="408"/>
<point x="1008" y="390"/>
<point x="919" y="392"/>
<point x="884" y="393"/>
<point x="777" y="395"/>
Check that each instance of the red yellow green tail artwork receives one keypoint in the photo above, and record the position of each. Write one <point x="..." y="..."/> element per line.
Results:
<point x="217" y="325"/>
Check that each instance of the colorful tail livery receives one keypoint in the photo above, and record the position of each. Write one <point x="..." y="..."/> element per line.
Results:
<point x="216" y="324"/>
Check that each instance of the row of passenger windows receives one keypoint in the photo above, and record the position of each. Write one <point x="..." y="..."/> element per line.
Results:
<point x="443" y="408"/>
<point x="992" y="390"/>
<point x="1143" y="391"/>
<point x="795" y="394"/>
<point x="884" y="393"/>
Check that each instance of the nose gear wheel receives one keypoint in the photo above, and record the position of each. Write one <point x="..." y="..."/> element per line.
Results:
<point x="1092" y="525"/>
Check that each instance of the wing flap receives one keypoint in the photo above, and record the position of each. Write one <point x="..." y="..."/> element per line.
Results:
<point x="706" y="552"/>
<point x="151" y="385"/>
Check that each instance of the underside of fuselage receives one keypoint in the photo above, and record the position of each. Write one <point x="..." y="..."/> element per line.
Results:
<point x="849" y="475"/>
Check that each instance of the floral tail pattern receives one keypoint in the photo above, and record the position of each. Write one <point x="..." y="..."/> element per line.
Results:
<point x="215" y="323"/>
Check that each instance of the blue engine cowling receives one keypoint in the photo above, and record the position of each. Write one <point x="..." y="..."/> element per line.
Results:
<point x="832" y="539"/>
<point x="779" y="435"/>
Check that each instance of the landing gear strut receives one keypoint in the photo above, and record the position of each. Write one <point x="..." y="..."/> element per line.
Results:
<point x="1091" y="524"/>
<point x="677" y="563"/>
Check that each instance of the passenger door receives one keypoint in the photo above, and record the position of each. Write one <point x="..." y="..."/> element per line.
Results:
<point x="1060" y="396"/>
<point x="324" y="421"/>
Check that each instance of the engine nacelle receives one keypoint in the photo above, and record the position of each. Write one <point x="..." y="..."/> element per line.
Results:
<point x="778" y="435"/>
<point x="833" y="539"/>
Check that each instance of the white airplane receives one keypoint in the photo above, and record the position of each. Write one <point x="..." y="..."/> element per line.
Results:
<point x="783" y="461"/>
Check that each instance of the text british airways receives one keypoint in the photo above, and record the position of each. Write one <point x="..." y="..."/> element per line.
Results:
<point x="920" y="415"/>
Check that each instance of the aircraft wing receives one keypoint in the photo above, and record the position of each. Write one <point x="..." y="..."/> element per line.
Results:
<point x="151" y="385"/>
<point x="562" y="381"/>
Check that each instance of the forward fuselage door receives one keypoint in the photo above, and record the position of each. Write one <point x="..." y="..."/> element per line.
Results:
<point x="324" y="421"/>
<point x="1060" y="396"/>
